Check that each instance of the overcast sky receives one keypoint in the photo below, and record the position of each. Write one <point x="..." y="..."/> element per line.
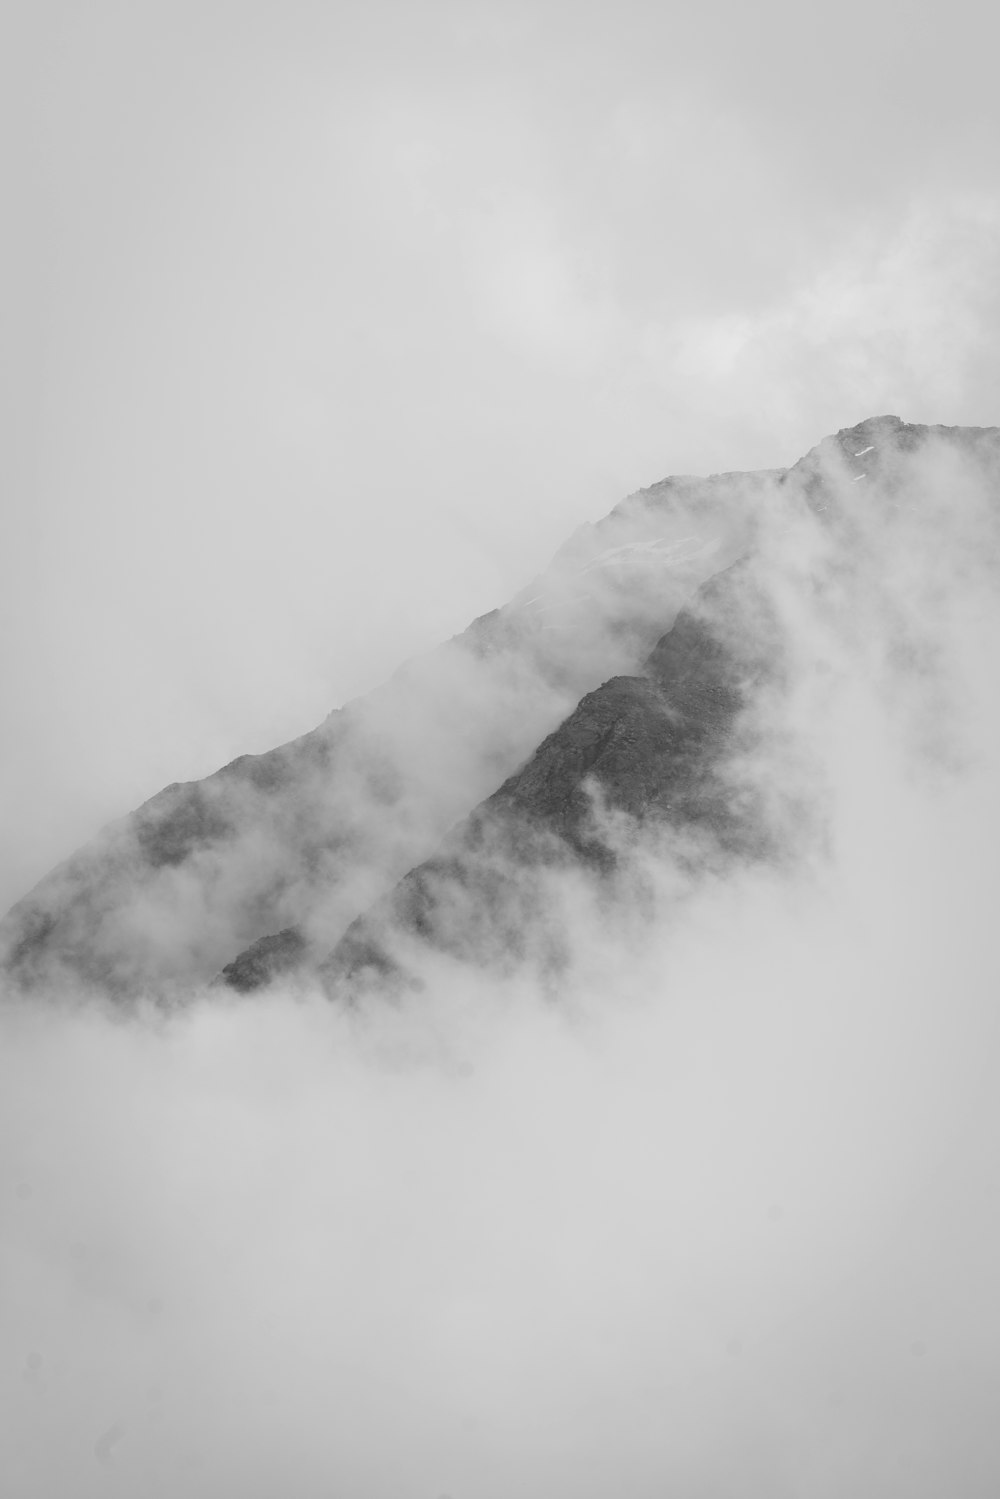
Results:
<point x="332" y="321"/>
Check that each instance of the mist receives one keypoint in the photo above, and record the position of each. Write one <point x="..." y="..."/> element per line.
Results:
<point x="715" y="1215"/>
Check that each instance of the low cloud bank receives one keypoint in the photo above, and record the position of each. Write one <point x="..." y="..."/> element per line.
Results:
<point x="720" y="1217"/>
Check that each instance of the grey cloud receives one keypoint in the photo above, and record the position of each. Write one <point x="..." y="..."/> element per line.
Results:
<point x="713" y="1216"/>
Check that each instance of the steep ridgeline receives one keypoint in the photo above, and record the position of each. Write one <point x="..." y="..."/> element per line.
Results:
<point x="279" y="852"/>
<point x="611" y="710"/>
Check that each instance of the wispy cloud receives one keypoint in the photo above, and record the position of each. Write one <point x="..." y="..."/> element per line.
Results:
<point x="718" y="1216"/>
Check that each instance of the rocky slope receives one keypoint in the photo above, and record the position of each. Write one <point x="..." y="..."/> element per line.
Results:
<point x="643" y="753"/>
<point x="618" y="681"/>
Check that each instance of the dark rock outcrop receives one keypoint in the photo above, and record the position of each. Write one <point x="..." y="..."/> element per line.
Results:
<point x="642" y="755"/>
<point x="264" y="961"/>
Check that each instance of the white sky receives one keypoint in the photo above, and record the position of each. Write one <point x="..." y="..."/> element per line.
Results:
<point x="330" y="322"/>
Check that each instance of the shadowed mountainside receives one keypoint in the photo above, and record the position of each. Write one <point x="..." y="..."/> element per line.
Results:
<point x="647" y="752"/>
<point x="274" y="860"/>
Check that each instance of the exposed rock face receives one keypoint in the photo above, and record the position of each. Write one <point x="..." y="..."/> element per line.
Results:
<point x="634" y="707"/>
<point x="266" y="960"/>
<point x="641" y="751"/>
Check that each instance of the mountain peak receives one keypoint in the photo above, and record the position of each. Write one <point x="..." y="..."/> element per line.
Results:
<point x="265" y="865"/>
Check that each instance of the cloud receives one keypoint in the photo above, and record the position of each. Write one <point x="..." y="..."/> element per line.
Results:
<point x="719" y="1219"/>
<point x="899" y="318"/>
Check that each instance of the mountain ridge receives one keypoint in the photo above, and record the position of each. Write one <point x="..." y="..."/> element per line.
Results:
<point x="276" y="857"/>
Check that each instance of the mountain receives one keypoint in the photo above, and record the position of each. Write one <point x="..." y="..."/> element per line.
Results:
<point x="613" y="695"/>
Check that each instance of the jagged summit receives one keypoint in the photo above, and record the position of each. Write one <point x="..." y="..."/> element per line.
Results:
<point x="622" y="673"/>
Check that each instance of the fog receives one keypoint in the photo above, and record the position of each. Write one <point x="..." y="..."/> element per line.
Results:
<point x="715" y="1216"/>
